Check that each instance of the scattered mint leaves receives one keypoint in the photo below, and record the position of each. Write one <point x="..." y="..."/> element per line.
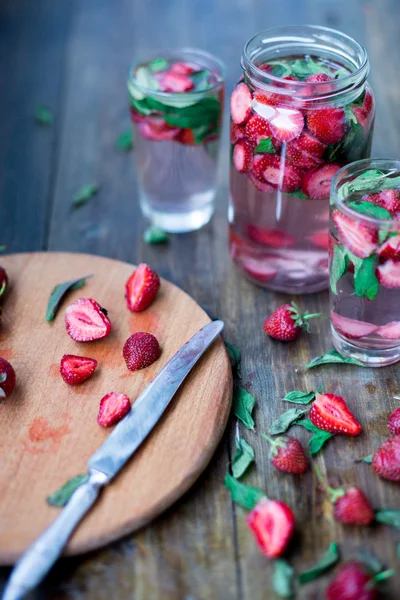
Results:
<point x="59" y="292"/>
<point x="265" y="146"/>
<point x="84" y="194"/>
<point x="298" y="397"/>
<point x="327" y="561"/>
<point x="365" y="459"/>
<point x="339" y="266"/>
<point x="155" y="235"/>
<point x="332" y="357"/>
<point x="388" y="517"/>
<point x="243" y="404"/>
<point x="283" y="578"/>
<point x="157" y="65"/>
<point x="124" y="141"/>
<point x="309" y="425"/>
<point x="62" y="495"/>
<point x="318" y="440"/>
<point x="243" y="458"/>
<point x="245" y="495"/>
<point x="43" y="115"/>
<point x="285" y="420"/>
<point x="302" y="68"/>
<point x="234" y="354"/>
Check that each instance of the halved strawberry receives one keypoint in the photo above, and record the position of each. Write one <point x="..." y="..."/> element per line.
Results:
<point x="86" y="321"/>
<point x="389" y="199"/>
<point x="237" y="133"/>
<point x="316" y="184"/>
<point x="320" y="239"/>
<point x="258" y="166"/>
<point x="113" y="407"/>
<point x="176" y="82"/>
<point x="389" y="274"/>
<point x="279" y="173"/>
<point x="186" y="136"/>
<point x="359" y="239"/>
<point x="271" y="237"/>
<point x="156" y="129"/>
<point x="331" y="413"/>
<point x="351" y="328"/>
<point x="182" y="68"/>
<point x="287" y="124"/>
<point x="262" y="186"/>
<point x="327" y="124"/>
<point x="141" y="288"/>
<point x="243" y="156"/>
<point x="241" y="99"/>
<point x="257" y="129"/>
<point x="272" y="524"/>
<point x="76" y="369"/>
<point x="390" y="248"/>
<point x="390" y="331"/>
<point x="258" y="269"/>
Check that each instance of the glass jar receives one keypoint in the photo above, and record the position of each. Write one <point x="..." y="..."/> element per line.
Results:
<point x="301" y="110"/>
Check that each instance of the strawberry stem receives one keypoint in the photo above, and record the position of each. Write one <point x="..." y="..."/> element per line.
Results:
<point x="383" y="575"/>
<point x="319" y="476"/>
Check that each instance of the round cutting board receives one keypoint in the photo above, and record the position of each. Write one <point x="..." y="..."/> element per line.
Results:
<point x="49" y="429"/>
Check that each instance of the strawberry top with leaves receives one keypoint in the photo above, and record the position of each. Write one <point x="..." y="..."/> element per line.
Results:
<point x="331" y="413"/>
<point x="287" y="454"/>
<point x="141" y="288"/>
<point x="272" y="523"/>
<point x="286" y="322"/>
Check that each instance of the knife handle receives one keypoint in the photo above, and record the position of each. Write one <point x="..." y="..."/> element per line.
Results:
<point x="38" y="559"/>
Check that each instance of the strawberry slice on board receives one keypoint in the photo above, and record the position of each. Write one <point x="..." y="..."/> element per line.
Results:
<point x="272" y="524"/>
<point x="141" y="288"/>
<point x="240" y="104"/>
<point x="113" y="407"/>
<point x="316" y="184"/>
<point x="389" y="274"/>
<point x="271" y="237"/>
<point x="331" y="413"/>
<point x="76" y="369"/>
<point x="351" y="328"/>
<point x="243" y="156"/>
<point x="86" y="321"/>
<point x="359" y="239"/>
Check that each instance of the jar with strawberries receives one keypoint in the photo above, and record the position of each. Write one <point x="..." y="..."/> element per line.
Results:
<point x="301" y="110"/>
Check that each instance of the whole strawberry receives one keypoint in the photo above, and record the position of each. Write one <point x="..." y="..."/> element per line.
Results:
<point x="331" y="413"/>
<point x="286" y="322"/>
<point x="287" y="454"/>
<point x="352" y="582"/>
<point x="272" y="524"/>
<point x="351" y="506"/>
<point x="141" y="350"/>
<point x="386" y="460"/>
<point x="7" y="378"/>
<point x="3" y="282"/>
<point x="394" y="422"/>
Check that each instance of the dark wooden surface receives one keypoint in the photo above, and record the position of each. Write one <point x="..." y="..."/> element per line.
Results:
<point x="73" y="56"/>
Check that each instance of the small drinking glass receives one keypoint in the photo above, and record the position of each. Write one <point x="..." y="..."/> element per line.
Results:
<point x="364" y="249"/>
<point x="176" y="103"/>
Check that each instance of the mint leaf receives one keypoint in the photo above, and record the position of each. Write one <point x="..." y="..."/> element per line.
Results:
<point x="146" y="79"/>
<point x="280" y="69"/>
<point x="43" y="115"/>
<point x="318" y="440"/>
<point x="245" y="495"/>
<point x="350" y="116"/>
<point x="283" y="578"/>
<point x="370" y="209"/>
<point x="370" y="181"/>
<point x="200" y="79"/>
<point x="85" y="194"/>
<point x="383" y="575"/>
<point x="388" y="517"/>
<point x="124" y="141"/>
<point x="327" y="561"/>
<point x="243" y="404"/>
<point x="155" y="235"/>
<point x="365" y="459"/>
<point x="141" y="106"/>
<point x="282" y="423"/>
<point x="302" y="68"/>
<point x="157" y="65"/>
<point x="332" y="357"/>
<point x="265" y="146"/>
<point x="309" y="425"/>
<point x="62" y="495"/>
<point x="339" y="266"/>
<point x="298" y="194"/>
<point x="233" y="353"/>
<point x="243" y="458"/>
<point x="59" y="292"/>
<point x="3" y="248"/>
<point x="366" y="284"/>
<point x="298" y="397"/>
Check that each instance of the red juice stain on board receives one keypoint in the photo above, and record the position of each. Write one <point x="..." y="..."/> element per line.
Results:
<point x="43" y="437"/>
<point x="7" y="353"/>
<point x="148" y="321"/>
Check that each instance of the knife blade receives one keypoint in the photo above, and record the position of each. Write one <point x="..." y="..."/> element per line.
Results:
<point x="108" y="460"/>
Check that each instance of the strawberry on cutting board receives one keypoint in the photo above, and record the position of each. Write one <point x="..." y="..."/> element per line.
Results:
<point x="76" y="369"/>
<point x="141" y="288"/>
<point x="113" y="407"/>
<point x="141" y="350"/>
<point x="331" y="413"/>
<point x="86" y="320"/>
<point x="7" y="378"/>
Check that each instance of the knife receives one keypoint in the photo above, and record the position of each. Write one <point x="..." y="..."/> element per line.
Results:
<point x="107" y="461"/>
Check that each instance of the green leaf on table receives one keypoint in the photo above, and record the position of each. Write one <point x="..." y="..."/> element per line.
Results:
<point x="157" y="65"/>
<point x="234" y="354"/>
<point x="299" y="397"/>
<point x="285" y="420"/>
<point x="155" y="235"/>
<point x="390" y="516"/>
<point x="339" y="266"/>
<point x="243" y="404"/>
<point x="43" y="115"/>
<point x="265" y="146"/>
<point x="84" y="194"/>
<point x="124" y="141"/>
<point x="332" y="357"/>
<point x="309" y="425"/>
<point x="62" y="495"/>
<point x="366" y="284"/>
<point x="370" y="209"/>
<point x="319" y="437"/>
<point x="283" y="578"/>
<point x="243" y="458"/>
<point x="59" y="292"/>
<point x="327" y="561"/>
<point x="365" y="459"/>
<point x="383" y="575"/>
<point x="201" y="79"/>
<point x="245" y="495"/>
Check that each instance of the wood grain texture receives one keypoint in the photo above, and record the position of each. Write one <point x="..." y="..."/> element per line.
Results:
<point x="49" y="429"/>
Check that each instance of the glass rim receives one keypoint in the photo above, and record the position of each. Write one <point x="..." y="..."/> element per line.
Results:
<point x="176" y="52"/>
<point x="363" y="165"/>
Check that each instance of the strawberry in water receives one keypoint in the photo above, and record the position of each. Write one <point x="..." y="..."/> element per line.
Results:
<point x="287" y="454"/>
<point x="243" y="156"/>
<point x="157" y="130"/>
<point x="352" y="582"/>
<point x="318" y="78"/>
<point x="176" y="82"/>
<point x="86" y="321"/>
<point x="310" y="144"/>
<point x="287" y="124"/>
<point x="141" y="350"/>
<point x="113" y="407"/>
<point x="237" y="133"/>
<point x="272" y="524"/>
<point x="389" y="274"/>
<point x="389" y="199"/>
<point x="76" y="369"/>
<point x="241" y="104"/>
<point x="281" y="174"/>
<point x="7" y="378"/>
<point x="257" y="129"/>
<point x="259" y="269"/>
<point x="301" y="158"/>
<point x="320" y="239"/>
<point x="365" y="113"/>
<point x="327" y="124"/>
<point x="360" y="239"/>
<point x="141" y="288"/>
<point x="386" y="460"/>
<point x="390" y="248"/>
<point x="274" y="238"/>
<point x="351" y="328"/>
<point x="262" y="186"/>
<point x="286" y="323"/>
<point x="331" y="413"/>
<point x="390" y="331"/>
<point x="316" y="184"/>
<point x="394" y="422"/>
<point x="186" y="136"/>
<point x="182" y="68"/>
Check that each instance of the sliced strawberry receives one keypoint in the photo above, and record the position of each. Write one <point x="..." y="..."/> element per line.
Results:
<point x="287" y="124"/>
<point x="141" y="350"/>
<point x="301" y="158"/>
<point x="320" y="239"/>
<point x="113" y="407"/>
<point x="327" y="124"/>
<point x="364" y="113"/>
<point x="182" y="68"/>
<point x="389" y="199"/>
<point x="269" y="98"/>
<point x="316" y="184"/>
<point x="390" y="331"/>
<point x="241" y="99"/>
<point x="318" y="78"/>
<point x="271" y="237"/>
<point x="351" y="328"/>
<point x="331" y="413"/>
<point x="7" y="378"/>
<point x="389" y="274"/>
<point x="280" y="174"/>
<point x="310" y="144"/>
<point x="135" y="116"/>
<point x="237" y="133"/>
<point x="359" y="239"/>
<point x="243" y="156"/>
<point x="272" y="524"/>
<point x="86" y="321"/>
<point x="262" y="186"/>
<point x="258" y="269"/>
<point x="257" y="129"/>
<point x="156" y="129"/>
<point x="141" y="288"/>
<point x="176" y="82"/>
<point x="390" y="248"/>
<point x="76" y="369"/>
<point x="258" y="167"/>
<point x="186" y="136"/>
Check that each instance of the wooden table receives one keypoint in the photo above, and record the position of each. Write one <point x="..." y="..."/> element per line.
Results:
<point x="73" y="56"/>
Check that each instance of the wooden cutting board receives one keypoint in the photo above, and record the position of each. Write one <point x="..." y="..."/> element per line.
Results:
<point x="48" y="430"/>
